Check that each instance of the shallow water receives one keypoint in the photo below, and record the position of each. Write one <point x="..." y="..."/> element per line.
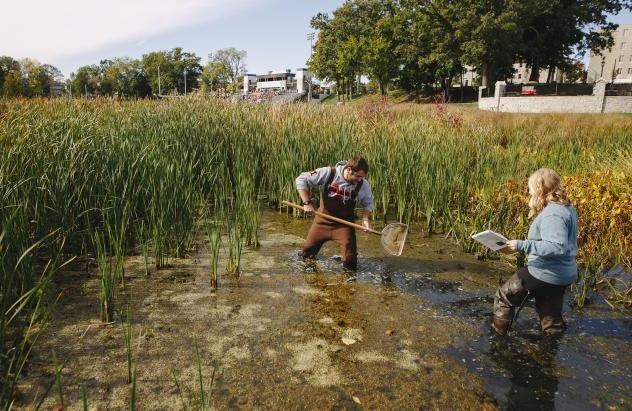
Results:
<point x="402" y="332"/>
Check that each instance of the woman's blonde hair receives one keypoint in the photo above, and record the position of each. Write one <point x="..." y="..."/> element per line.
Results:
<point x="545" y="186"/>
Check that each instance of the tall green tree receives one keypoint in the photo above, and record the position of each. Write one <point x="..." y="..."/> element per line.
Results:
<point x="214" y="76"/>
<point x="86" y="81"/>
<point x="13" y="86"/>
<point x="322" y="63"/>
<point x="159" y="63"/>
<point x="558" y="30"/>
<point x="7" y="64"/>
<point x="380" y="62"/>
<point x="185" y="62"/>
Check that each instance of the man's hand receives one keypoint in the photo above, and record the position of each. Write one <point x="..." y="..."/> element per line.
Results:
<point x="308" y="209"/>
<point x="512" y="247"/>
<point x="366" y="224"/>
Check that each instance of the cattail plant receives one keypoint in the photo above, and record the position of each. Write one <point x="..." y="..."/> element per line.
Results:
<point x="106" y="278"/>
<point x="214" y="242"/>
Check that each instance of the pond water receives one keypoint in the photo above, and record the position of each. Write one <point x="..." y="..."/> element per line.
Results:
<point x="403" y="332"/>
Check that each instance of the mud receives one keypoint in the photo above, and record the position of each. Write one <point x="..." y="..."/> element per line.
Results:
<point x="404" y="332"/>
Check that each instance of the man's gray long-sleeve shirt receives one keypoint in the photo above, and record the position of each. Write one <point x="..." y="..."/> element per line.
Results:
<point x="339" y="186"/>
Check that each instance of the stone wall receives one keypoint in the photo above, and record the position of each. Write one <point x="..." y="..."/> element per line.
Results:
<point x="597" y="103"/>
<point x="618" y="104"/>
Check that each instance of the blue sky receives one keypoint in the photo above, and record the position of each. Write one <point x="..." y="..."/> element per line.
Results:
<point x="72" y="33"/>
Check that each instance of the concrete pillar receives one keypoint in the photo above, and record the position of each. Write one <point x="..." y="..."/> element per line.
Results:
<point x="599" y="91"/>
<point x="499" y="92"/>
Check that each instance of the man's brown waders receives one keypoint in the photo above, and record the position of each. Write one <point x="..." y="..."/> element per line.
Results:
<point x="323" y="230"/>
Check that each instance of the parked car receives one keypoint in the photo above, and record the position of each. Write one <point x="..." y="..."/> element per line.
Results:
<point x="528" y="91"/>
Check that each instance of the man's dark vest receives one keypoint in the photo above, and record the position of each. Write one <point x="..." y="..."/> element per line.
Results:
<point x="335" y="206"/>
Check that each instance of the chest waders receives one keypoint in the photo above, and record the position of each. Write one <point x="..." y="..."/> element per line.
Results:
<point x="323" y="230"/>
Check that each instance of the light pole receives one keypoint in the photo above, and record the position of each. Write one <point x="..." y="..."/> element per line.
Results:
<point x="603" y="63"/>
<point x="185" y="82"/>
<point x="310" y="37"/>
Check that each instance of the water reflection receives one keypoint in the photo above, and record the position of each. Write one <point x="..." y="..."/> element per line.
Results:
<point x="530" y="368"/>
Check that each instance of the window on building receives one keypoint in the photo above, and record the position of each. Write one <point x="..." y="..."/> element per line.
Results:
<point x="466" y="81"/>
<point x="630" y="71"/>
<point x="519" y="75"/>
<point x="624" y="45"/>
<point x="620" y="59"/>
<point x="630" y="58"/>
<point x="626" y="32"/>
<point x="618" y="70"/>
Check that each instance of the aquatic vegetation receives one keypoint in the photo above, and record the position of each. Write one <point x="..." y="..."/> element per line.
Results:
<point x="131" y="365"/>
<point x="106" y="279"/>
<point x="60" y="389"/>
<point x="199" y="397"/>
<point x="214" y="242"/>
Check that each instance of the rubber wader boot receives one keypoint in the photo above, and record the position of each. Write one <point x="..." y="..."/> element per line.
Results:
<point x="510" y="295"/>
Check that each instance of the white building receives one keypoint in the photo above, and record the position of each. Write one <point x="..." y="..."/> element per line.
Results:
<point x="250" y="83"/>
<point x="521" y="75"/>
<point x="278" y="80"/>
<point x="614" y="64"/>
<point x="523" y="71"/>
<point x="303" y="80"/>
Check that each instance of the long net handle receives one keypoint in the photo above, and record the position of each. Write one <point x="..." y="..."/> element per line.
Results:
<point x="330" y="217"/>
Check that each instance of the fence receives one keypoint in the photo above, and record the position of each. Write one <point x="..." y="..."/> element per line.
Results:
<point x="597" y="102"/>
<point x="548" y="89"/>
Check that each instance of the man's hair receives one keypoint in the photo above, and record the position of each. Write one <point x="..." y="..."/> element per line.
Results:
<point x="358" y="163"/>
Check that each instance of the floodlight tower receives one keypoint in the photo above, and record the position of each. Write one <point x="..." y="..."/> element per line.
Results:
<point x="310" y="37"/>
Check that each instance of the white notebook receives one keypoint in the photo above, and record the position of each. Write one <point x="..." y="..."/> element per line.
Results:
<point x="491" y="239"/>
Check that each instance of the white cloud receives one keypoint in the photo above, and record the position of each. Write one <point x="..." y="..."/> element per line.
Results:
<point x="48" y="30"/>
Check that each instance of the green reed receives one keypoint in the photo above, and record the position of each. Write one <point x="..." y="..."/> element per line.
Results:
<point x="106" y="278"/>
<point x="214" y="243"/>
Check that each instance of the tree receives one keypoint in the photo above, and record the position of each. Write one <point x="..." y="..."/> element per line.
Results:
<point x="155" y="62"/>
<point x="13" y="84"/>
<point x="189" y="62"/>
<point x="86" y="81"/>
<point x="558" y="30"/>
<point x="233" y="62"/>
<point x="7" y="65"/>
<point x="38" y="78"/>
<point x="323" y="60"/>
<point x="172" y="65"/>
<point x="379" y="62"/>
<point x="214" y="77"/>
<point x="348" y="31"/>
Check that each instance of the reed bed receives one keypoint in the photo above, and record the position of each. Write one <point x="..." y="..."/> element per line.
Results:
<point x="101" y="177"/>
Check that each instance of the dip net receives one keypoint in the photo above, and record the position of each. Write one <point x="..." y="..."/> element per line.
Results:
<point x="394" y="237"/>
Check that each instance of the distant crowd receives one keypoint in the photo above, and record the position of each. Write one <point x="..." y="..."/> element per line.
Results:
<point x="261" y="96"/>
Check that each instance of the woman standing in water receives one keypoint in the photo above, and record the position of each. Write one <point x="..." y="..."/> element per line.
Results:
<point x="551" y="247"/>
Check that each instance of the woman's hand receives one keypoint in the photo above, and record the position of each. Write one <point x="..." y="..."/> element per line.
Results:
<point x="510" y="248"/>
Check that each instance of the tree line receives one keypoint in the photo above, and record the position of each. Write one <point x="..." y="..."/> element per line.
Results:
<point x="158" y="72"/>
<point x="27" y="77"/>
<point x="416" y="44"/>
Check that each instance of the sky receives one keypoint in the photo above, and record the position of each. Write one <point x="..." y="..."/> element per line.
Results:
<point x="72" y="33"/>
